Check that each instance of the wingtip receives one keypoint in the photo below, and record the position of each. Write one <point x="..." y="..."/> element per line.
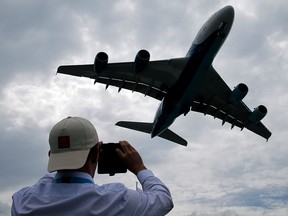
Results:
<point x="267" y="139"/>
<point x="185" y="144"/>
<point x="58" y="70"/>
<point x="118" y="123"/>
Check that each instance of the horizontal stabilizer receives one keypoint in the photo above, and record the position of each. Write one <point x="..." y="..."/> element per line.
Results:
<point x="170" y="135"/>
<point x="147" y="128"/>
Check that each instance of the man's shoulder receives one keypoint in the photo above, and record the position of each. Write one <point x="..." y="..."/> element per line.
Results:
<point x="48" y="178"/>
<point x="113" y="187"/>
<point x="45" y="179"/>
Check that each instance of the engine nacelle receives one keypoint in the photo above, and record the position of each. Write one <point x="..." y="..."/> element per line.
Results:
<point x="100" y="62"/>
<point x="238" y="93"/>
<point x="258" y="114"/>
<point x="141" y="60"/>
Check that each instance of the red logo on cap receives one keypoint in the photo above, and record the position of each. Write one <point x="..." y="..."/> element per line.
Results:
<point x="63" y="142"/>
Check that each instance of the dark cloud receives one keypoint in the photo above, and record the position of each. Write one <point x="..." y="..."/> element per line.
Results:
<point x="34" y="35"/>
<point x="268" y="197"/>
<point x="22" y="151"/>
<point x="222" y="171"/>
<point x="4" y="209"/>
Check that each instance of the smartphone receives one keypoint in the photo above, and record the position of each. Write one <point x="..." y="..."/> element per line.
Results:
<point x="109" y="162"/>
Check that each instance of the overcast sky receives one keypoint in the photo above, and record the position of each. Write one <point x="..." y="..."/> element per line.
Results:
<point x="221" y="171"/>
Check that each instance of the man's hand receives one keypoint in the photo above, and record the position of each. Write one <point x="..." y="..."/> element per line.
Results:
<point x="131" y="157"/>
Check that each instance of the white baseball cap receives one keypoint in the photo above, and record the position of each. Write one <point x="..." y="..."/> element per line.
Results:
<point x="70" y="142"/>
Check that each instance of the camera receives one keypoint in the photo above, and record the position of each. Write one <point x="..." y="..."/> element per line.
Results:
<point x="109" y="162"/>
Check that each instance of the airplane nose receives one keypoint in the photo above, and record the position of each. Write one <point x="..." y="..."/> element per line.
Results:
<point x="228" y="13"/>
<point x="226" y="17"/>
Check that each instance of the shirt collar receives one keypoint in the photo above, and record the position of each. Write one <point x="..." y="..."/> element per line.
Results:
<point x="74" y="174"/>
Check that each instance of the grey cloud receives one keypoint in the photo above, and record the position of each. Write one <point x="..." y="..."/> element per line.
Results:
<point x="268" y="197"/>
<point x="23" y="156"/>
<point x="255" y="200"/>
<point x="4" y="209"/>
<point x="34" y="36"/>
<point x="39" y="36"/>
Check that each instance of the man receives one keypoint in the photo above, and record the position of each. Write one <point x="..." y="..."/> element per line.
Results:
<point x="74" y="152"/>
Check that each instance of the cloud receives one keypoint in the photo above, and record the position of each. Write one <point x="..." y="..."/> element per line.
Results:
<point x="4" y="209"/>
<point x="245" y="201"/>
<point x="222" y="171"/>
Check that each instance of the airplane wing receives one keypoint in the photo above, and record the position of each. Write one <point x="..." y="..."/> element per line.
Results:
<point x="154" y="80"/>
<point x="213" y="99"/>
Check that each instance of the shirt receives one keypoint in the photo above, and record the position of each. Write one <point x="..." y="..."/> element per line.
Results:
<point x="53" y="195"/>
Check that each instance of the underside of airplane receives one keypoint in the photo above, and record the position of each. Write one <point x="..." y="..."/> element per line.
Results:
<point x="184" y="84"/>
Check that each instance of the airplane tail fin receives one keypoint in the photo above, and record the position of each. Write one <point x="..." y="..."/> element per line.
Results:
<point x="147" y="128"/>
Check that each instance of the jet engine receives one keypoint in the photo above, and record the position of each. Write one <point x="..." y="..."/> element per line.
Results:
<point x="100" y="62"/>
<point x="258" y="114"/>
<point x="141" y="60"/>
<point x="238" y="93"/>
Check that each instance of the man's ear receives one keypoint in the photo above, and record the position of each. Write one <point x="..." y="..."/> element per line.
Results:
<point x="95" y="153"/>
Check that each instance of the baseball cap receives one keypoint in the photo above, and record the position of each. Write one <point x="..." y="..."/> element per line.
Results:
<point x="70" y="141"/>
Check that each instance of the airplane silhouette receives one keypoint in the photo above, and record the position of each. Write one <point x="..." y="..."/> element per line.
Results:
<point x="182" y="84"/>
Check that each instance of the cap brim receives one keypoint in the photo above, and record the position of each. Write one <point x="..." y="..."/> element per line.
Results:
<point x="67" y="160"/>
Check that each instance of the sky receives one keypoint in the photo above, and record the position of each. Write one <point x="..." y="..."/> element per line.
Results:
<point x="221" y="172"/>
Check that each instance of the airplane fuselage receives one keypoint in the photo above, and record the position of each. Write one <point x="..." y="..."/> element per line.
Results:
<point x="200" y="57"/>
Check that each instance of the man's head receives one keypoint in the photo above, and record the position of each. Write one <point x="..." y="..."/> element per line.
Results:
<point x="70" y="142"/>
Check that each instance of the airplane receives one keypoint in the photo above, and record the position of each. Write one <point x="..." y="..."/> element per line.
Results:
<point x="181" y="84"/>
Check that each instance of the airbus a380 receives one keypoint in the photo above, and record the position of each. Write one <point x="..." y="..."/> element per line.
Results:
<point x="182" y="84"/>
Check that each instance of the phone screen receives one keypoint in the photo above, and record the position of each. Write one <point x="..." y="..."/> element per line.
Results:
<point x="109" y="162"/>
